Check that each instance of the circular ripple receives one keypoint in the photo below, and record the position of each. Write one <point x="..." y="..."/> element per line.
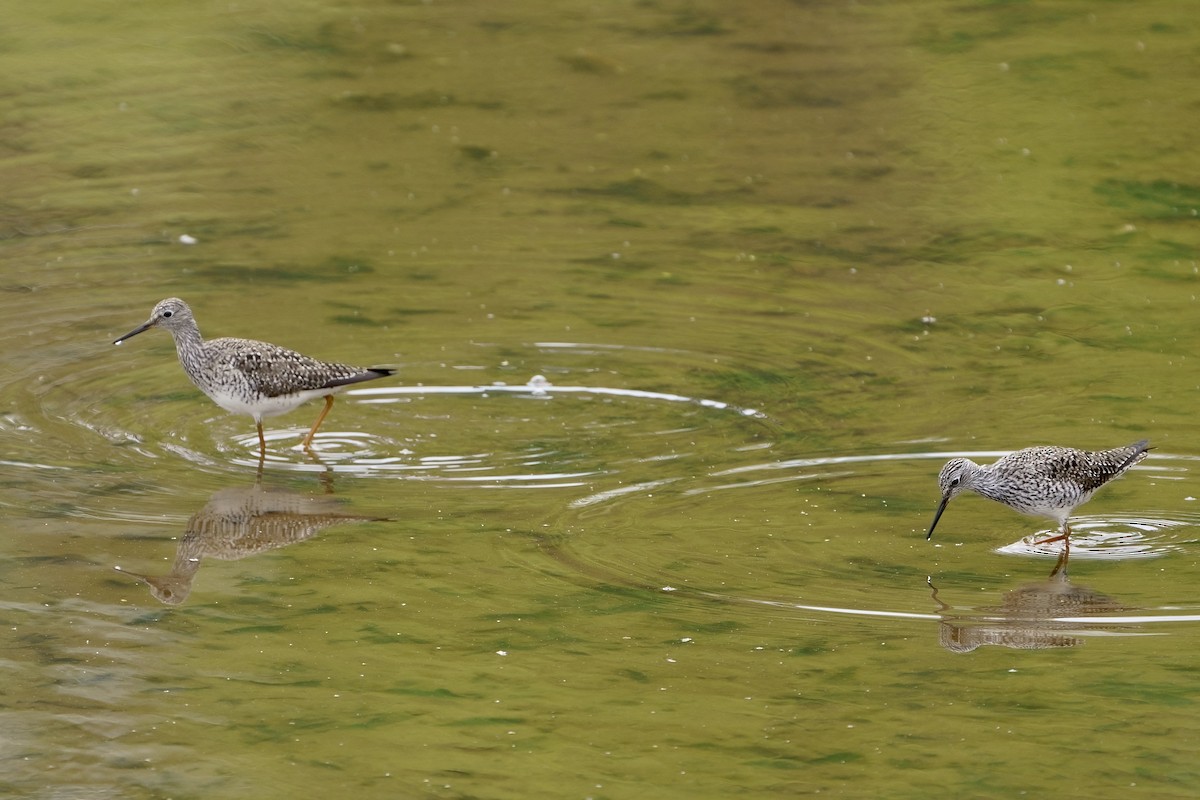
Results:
<point x="684" y="493"/>
<point x="143" y="423"/>
<point x="149" y="411"/>
<point x="843" y="534"/>
<point x="1114" y="537"/>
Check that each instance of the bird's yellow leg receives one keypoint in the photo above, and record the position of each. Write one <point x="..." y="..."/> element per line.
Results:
<point x="328" y="405"/>
<point x="1063" y="557"/>
<point x="1065" y="534"/>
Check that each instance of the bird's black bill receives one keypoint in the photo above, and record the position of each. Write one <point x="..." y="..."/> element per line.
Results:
<point x="143" y="327"/>
<point x="936" y="517"/>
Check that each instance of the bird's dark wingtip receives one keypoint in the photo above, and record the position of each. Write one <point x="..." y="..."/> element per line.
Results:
<point x="1139" y="452"/>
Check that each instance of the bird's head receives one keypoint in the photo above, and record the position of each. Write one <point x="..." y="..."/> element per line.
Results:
<point x="171" y="314"/>
<point x="954" y="477"/>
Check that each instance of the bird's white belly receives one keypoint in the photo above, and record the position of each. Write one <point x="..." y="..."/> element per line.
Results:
<point x="266" y="406"/>
<point x="1059" y="508"/>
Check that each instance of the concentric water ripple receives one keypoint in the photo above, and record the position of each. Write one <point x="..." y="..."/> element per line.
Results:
<point x="564" y="437"/>
<point x="150" y="411"/>
<point x="688" y="495"/>
<point x="843" y="536"/>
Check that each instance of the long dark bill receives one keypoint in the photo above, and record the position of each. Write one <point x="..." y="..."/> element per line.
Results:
<point x="143" y="327"/>
<point x="936" y="517"/>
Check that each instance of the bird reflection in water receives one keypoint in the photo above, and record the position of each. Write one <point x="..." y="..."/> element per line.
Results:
<point x="237" y="523"/>
<point x="1036" y="616"/>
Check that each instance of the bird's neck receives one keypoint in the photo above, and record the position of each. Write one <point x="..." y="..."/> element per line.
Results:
<point x="983" y="482"/>
<point x="190" y="347"/>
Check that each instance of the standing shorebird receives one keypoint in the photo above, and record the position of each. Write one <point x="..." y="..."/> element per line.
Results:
<point x="248" y="377"/>
<point x="1040" y="481"/>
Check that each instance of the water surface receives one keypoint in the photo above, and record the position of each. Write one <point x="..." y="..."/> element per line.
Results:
<point x="690" y="302"/>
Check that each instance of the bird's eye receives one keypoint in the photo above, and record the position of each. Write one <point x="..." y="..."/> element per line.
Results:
<point x="167" y="314"/>
<point x="954" y="482"/>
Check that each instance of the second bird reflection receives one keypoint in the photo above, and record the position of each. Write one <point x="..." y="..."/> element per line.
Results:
<point x="1034" y="616"/>
<point x="237" y="523"/>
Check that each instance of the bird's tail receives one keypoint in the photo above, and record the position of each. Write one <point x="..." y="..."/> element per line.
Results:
<point x="1137" y="451"/>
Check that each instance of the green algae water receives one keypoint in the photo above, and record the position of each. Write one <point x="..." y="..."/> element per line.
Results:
<point x="690" y="301"/>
